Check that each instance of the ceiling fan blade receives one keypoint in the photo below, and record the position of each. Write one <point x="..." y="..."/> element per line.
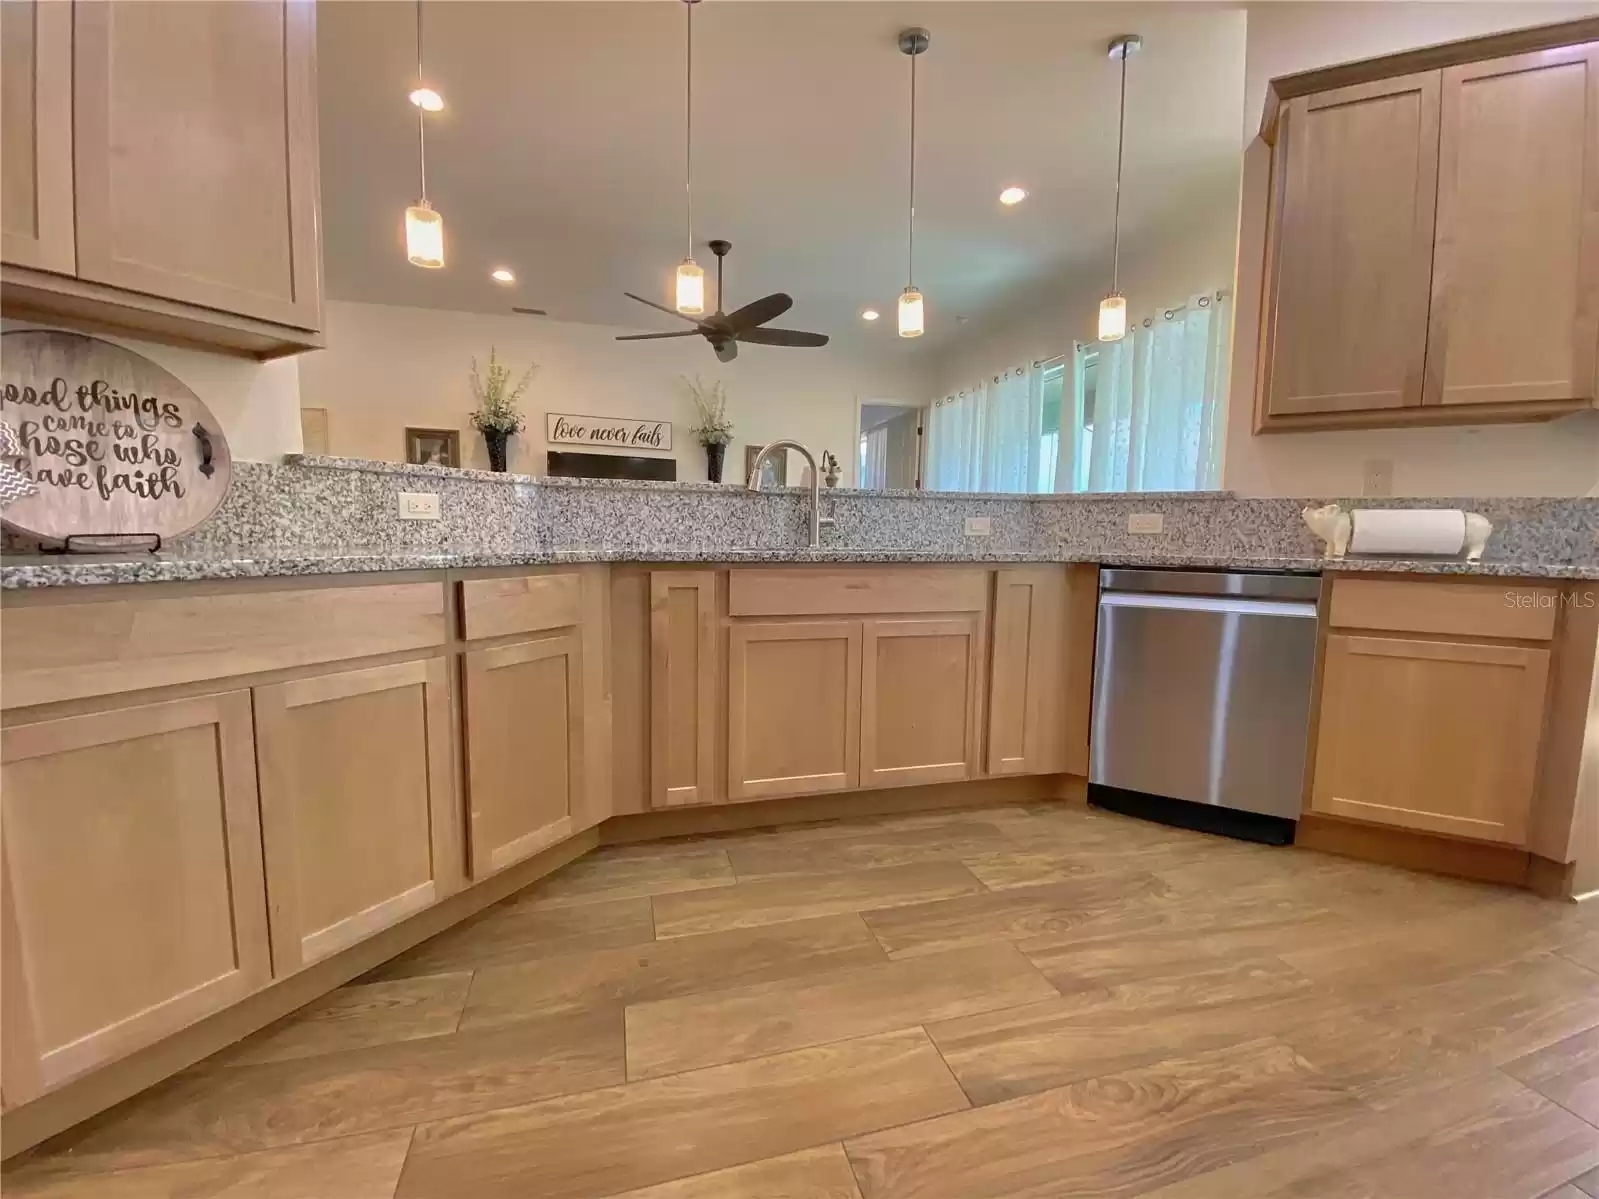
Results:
<point x="726" y="351"/>
<point x="529" y="311"/>
<point x="782" y="337"/>
<point x="657" y="336"/>
<point x="767" y="308"/>
<point x="662" y="307"/>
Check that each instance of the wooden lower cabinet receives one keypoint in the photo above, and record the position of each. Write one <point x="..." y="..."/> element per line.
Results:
<point x="919" y="699"/>
<point x="1041" y="669"/>
<point x="133" y="897"/>
<point x="683" y="687"/>
<point x="523" y="711"/>
<point x="793" y="702"/>
<point x="1437" y="736"/>
<point x="358" y="804"/>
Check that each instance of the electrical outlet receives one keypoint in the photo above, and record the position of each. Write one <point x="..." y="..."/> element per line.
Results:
<point x="1377" y="476"/>
<point x="1146" y="522"/>
<point x="419" y="505"/>
<point x="979" y="526"/>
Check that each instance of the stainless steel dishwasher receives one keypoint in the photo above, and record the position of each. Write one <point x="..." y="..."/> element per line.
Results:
<point x="1202" y="695"/>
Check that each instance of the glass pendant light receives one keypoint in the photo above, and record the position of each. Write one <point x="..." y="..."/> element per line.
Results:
<point x="1113" y="308"/>
<point x="424" y="227"/>
<point x="690" y="275"/>
<point x="912" y="323"/>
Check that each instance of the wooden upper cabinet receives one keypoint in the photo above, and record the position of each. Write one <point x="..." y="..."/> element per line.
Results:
<point x="1350" y="248"/>
<point x="919" y="699"/>
<point x="793" y="707"/>
<point x="683" y="687"/>
<point x="36" y="135"/>
<point x="196" y="154"/>
<point x="358" y="806"/>
<point x="523" y="708"/>
<point x="133" y="902"/>
<point x="1436" y="736"/>
<point x="1515" y="293"/>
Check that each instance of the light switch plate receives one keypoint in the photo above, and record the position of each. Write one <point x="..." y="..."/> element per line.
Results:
<point x="1146" y="522"/>
<point x="979" y="526"/>
<point x="419" y="505"/>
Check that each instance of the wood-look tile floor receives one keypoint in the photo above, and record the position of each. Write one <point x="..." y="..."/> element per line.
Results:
<point x="1017" y="1002"/>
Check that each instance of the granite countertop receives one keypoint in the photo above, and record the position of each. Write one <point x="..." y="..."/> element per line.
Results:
<point x="25" y="571"/>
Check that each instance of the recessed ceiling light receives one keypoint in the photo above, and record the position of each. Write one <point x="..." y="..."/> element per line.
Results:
<point x="870" y="314"/>
<point x="501" y="275"/>
<point x="427" y="99"/>
<point x="1012" y="195"/>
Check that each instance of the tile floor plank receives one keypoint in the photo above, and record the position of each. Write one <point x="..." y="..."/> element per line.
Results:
<point x="709" y="1029"/>
<point x="602" y="1142"/>
<point x="778" y="900"/>
<point x="1588" y="1183"/>
<point x="867" y="850"/>
<point x="822" y="1173"/>
<point x="635" y="871"/>
<point x="669" y="969"/>
<point x="1566" y="1072"/>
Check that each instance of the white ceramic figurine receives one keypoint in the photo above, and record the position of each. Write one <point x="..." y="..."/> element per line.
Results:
<point x="1332" y="525"/>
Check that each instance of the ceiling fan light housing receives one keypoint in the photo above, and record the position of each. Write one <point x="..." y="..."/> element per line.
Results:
<point x="424" y="236"/>
<point x="427" y="99"/>
<point x="911" y="322"/>
<point x="690" y="288"/>
<point x="1113" y="317"/>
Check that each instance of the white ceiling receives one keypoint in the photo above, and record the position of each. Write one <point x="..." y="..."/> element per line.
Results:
<point x="560" y="153"/>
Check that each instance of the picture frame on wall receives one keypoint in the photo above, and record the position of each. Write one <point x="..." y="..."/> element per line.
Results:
<point x="433" y="447"/>
<point x="774" y="471"/>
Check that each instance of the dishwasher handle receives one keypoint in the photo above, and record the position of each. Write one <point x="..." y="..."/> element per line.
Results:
<point x="1226" y="605"/>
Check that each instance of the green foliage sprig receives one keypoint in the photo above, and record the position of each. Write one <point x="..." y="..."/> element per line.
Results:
<point x="497" y="411"/>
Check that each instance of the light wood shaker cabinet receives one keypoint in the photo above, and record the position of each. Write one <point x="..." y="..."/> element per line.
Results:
<point x="1041" y="669"/>
<point x="793" y="707"/>
<point x="1349" y="260"/>
<point x="919" y="698"/>
<point x="133" y="896"/>
<point x="523" y="708"/>
<point x="358" y="804"/>
<point x="1438" y="736"/>
<point x="1515" y="277"/>
<point x="36" y="135"/>
<point x="683" y="687"/>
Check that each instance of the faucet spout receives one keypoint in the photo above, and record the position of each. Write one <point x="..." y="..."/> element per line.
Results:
<point x="788" y="443"/>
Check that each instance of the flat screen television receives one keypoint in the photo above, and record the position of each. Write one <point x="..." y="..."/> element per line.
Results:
<point x="568" y="465"/>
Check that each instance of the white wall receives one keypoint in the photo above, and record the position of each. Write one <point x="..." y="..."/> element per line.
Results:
<point x="387" y="367"/>
<point x="1558" y="458"/>
<point x="256" y="403"/>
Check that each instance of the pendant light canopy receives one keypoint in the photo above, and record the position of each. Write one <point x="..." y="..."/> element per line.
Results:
<point x="690" y="276"/>
<point x="1113" y="308"/>
<point x="912" y="43"/>
<point x="424" y="227"/>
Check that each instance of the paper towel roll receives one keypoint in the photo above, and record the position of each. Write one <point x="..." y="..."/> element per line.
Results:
<point x="1408" y="531"/>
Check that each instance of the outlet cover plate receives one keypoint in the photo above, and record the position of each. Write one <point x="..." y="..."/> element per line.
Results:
<point x="419" y="505"/>
<point x="1146" y="522"/>
<point x="979" y="526"/>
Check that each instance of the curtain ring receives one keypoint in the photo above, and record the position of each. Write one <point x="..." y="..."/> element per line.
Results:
<point x="1204" y="301"/>
<point x="1171" y="313"/>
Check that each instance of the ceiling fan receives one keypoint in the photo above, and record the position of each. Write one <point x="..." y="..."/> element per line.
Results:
<point x="725" y="330"/>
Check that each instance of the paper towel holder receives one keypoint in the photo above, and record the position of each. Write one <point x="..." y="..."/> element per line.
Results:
<point x="1333" y="527"/>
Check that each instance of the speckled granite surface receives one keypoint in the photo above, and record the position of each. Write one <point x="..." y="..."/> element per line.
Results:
<point x="336" y="516"/>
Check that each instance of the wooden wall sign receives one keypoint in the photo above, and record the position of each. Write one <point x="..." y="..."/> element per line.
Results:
<point x="116" y="445"/>
<point x="563" y="429"/>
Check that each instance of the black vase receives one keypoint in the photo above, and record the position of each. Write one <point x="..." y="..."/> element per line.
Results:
<point x="714" y="453"/>
<point x="496" y="440"/>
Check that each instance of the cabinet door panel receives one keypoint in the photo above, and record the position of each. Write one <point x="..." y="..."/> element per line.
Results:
<point x="1437" y="736"/>
<point x="1041" y="669"/>
<point x="134" y="902"/>
<point x="1351" y="255"/>
<point x="682" y="687"/>
<point x="919" y="701"/>
<point x="357" y="803"/>
<point x="1515" y="304"/>
<point x="525" y="748"/>
<point x="793" y="703"/>
<point x="196" y="153"/>
<point x="36" y="135"/>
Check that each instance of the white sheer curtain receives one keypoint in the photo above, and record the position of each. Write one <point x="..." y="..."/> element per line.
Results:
<point x="874" y="458"/>
<point x="1160" y="402"/>
<point x="986" y="438"/>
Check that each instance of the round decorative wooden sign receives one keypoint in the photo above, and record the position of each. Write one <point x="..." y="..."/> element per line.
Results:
<point x="114" y="444"/>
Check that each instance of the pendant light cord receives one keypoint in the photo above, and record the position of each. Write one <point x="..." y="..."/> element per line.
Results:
<point x="688" y="128"/>
<point x="1121" y="135"/>
<point x="421" y="113"/>
<point x="910" y="248"/>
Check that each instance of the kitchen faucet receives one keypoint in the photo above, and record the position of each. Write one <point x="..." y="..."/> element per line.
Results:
<point x="788" y="443"/>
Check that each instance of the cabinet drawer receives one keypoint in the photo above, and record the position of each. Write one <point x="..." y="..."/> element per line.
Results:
<point x="496" y="607"/>
<point x="838" y="592"/>
<point x="1506" y="610"/>
<point x="58" y="651"/>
